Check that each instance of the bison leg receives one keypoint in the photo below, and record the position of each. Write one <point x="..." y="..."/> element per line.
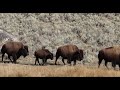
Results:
<point x="113" y="65"/>
<point x="63" y="61"/>
<point x="99" y="62"/>
<point x="106" y="64"/>
<point x="56" y="59"/>
<point x="14" y="58"/>
<point x="10" y="58"/>
<point x="43" y="60"/>
<point x="56" y="62"/>
<point x="3" y="56"/>
<point x="36" y="60"/>
<point x="74" y="62"/>
<point x="69" y="61"/>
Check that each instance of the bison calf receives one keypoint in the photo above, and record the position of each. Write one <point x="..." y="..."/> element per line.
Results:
<point x="43" y="54"/>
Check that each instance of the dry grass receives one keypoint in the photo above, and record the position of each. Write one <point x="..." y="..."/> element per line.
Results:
<point x="26" y="68"/>
<point x="17" y="70"/>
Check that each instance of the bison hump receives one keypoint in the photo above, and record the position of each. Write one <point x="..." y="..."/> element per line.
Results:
<point x="109" y="48"/>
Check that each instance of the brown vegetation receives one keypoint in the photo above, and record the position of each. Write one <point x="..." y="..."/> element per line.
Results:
<point x="15" y="70"/>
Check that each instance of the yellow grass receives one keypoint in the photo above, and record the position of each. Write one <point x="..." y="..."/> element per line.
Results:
<point x="17" y="70"/>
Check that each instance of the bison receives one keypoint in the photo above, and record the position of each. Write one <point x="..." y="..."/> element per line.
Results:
<point x="69" y="52"/>
<point x="110" y="54"/>
<point x="43" y="54"/>
<point x="14" y="49"/>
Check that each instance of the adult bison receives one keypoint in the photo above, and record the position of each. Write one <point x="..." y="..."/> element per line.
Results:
<point x="14" y="49"/>
<point x="110" y="54"/>
<point x="43" y="54"/>
<point x="69" y="52"/>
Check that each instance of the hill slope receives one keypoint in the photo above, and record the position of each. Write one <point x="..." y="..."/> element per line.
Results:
<point x="90" y="32"/>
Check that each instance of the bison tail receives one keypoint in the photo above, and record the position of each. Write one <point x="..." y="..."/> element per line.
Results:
<point x="58" y="53"/>
<point x="100" y="55"/>
<point x="3" y="49"/>
<point x="35" y="53"/>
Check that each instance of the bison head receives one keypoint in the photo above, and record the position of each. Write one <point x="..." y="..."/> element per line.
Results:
<point x="81" y="55"/>
<point x="22" y="52"/>
<point x="51" y="56"/>
<point x="78" y="55"/>
<point x="26" y="47"/>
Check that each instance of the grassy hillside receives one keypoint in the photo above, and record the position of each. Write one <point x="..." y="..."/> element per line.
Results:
<point x="89" y="31"/>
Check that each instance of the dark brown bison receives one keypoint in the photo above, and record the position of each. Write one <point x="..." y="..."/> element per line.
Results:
<point x="43" y="54"/>
<point x="111" y="54"/>
<point x="14" y="49"/>
<point x="69" y="52"/>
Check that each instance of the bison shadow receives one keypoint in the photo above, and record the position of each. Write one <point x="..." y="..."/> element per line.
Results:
<point x="47" y="64"/>
<point x="5" y="62"/>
